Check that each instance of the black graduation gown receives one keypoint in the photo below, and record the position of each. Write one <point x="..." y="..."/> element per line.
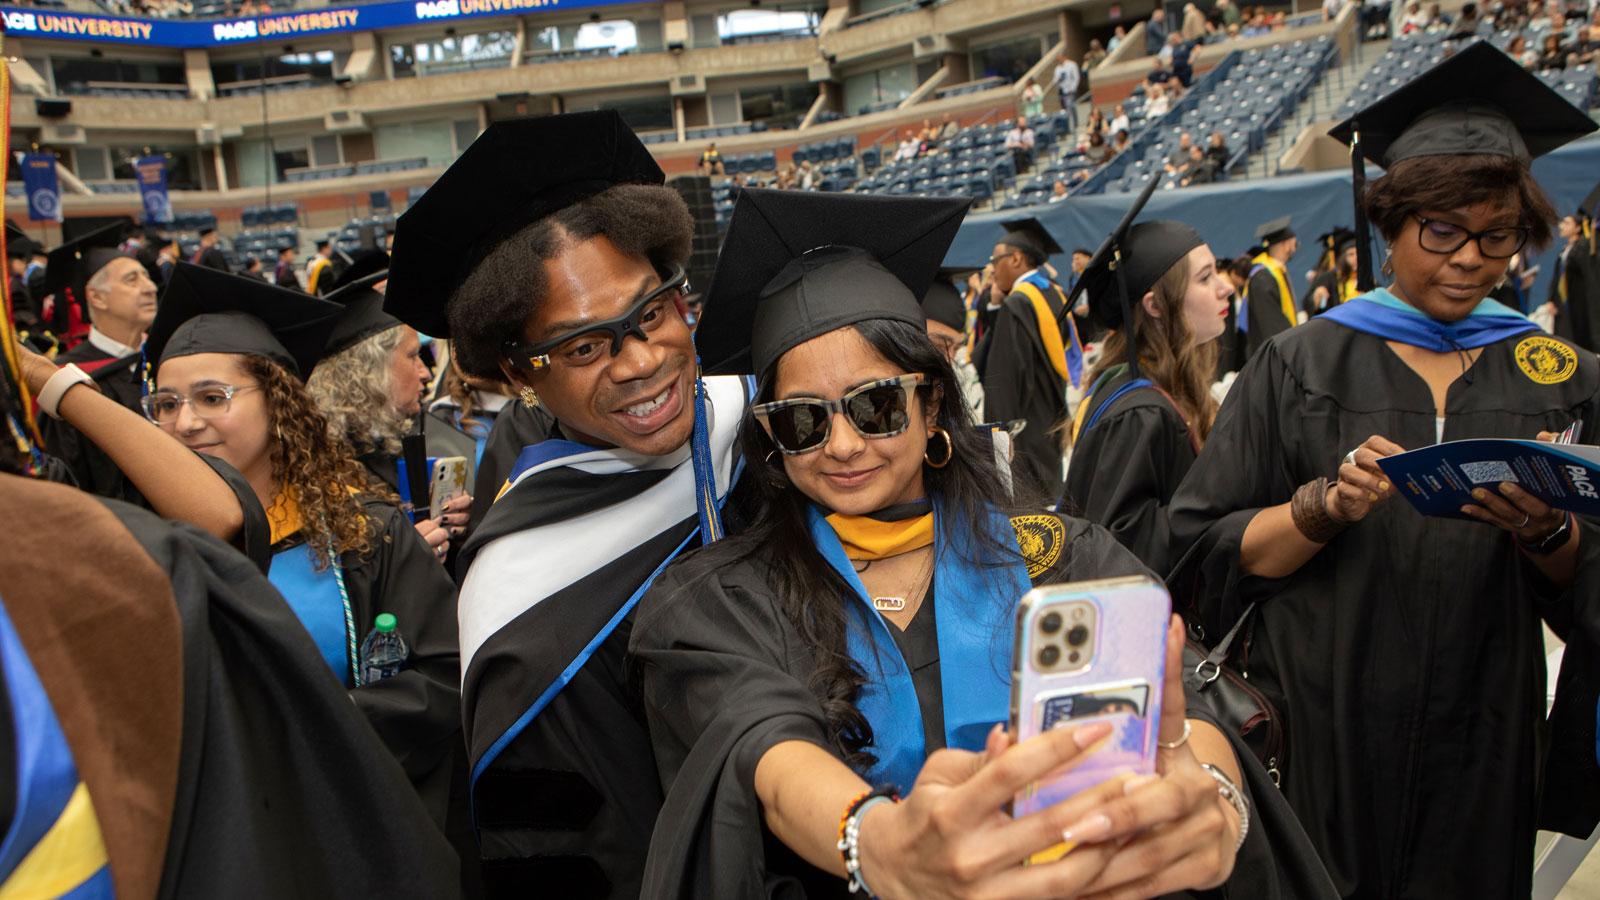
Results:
<point x="281" y="789"/>
<point x="1575" y="315"/>
<point x="212" y="258"/>
<point x="1126" y="468"/>
<point x="1231" y="345"/>
<point x="1407" y="655"/>
<point x="1265" y="312"/>
<point x="25" y="312"/>
<point x="724" y="679"/>
<point x="1020" y="383"/>
<point x="93" y="469"/>
<point x="518" y="425"/>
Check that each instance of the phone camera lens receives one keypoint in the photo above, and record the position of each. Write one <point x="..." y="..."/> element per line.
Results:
<point x="1049" y="655"/>
<point x="1050" y="623"/>
<point x="1078" y="635"/>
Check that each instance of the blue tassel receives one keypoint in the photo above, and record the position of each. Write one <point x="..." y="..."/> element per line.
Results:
<point x="705" y="481"/>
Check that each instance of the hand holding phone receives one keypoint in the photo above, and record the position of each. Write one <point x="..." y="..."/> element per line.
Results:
<point x="448" y="481"/>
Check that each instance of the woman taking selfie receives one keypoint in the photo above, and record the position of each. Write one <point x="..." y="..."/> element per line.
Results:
<point x="1407" y="651"/>
<point x="228" y="355"/>
<point x="1139" y="429"/>
<point x="778" y="694"/>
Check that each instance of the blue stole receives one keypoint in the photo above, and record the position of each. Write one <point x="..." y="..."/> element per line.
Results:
<point x="1379" y="312"/>
<point x="317" y="603"/>
<point x="46" y="775"/>
<point x="975" y="628"/>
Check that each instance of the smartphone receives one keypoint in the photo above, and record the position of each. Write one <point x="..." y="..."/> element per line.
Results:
<point x="1086" y="652"/>
<point x="449" y="481"/>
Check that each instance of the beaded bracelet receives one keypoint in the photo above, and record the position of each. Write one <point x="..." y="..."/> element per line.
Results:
<point x="850" y="833"/>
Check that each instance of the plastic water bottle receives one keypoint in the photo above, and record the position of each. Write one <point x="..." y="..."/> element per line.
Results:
<point x="383" y="651"/>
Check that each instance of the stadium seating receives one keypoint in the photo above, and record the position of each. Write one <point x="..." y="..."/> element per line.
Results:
<point x="1412" y="53"/>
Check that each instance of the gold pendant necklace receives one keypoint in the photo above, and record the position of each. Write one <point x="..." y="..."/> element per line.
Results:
<point x="888" y="604"/>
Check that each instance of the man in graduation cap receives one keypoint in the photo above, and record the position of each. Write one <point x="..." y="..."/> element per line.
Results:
<point x="552" y="257"/>
<point x="319" y="274"/>
<point x="1406" y="651"/>
<point x="946" y="311"/>
<point x="1575" y="289"/>
<point x="1268" y="298"/>
<point x="121" y="300"/>
<point x="1031" y="367"/>
<point x="208" y="254"/>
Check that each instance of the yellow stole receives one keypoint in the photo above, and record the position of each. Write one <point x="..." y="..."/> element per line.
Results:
<point x="283" y="517"/>
<point x="69" y="854"/>
<point x="1285" y="297"/>
<point x="866" y="538"/>
<point x="1054" y="346"/>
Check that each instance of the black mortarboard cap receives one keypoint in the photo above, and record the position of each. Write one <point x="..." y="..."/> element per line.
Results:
<point x="517" y="172"/>
<point x="363" y="306"/>
<point x="206" y="311"/>
<point x="1477" y="101"/>
<point x="1274" y="231"/>
<point x="1030" y="233"/>
<point x="207" y="229"/>
<point x="942" y="303"/>
<point x="796" y="265"/>
<point x="1590" y="207"/>
<point x="322" y="243"/>
<point x="1149" y="251"/>
<point x="18" y="244"/>
<point x="72" y="264"/>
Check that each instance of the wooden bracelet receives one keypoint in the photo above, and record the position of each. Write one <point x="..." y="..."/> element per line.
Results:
<point x="1309" y="510"/>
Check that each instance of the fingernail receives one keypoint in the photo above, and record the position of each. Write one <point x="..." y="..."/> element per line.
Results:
<point x="1383" y="486"/>
<point x="1086" y="735"/>
<point x="1479" y="493"/>
<point x="1506" y="488"/>
<point x="1371" y="496"/>
<point x="1092" y="827"/>
<point x="1469" y="511"/>
<point x="1138" y="782"/>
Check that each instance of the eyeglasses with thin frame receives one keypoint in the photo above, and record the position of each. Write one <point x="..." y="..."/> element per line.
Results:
<point x="582" y="346"/>
<point x="1504" y="242"/>
<point x="163" y="407"/>
<point x="878" y="409"/>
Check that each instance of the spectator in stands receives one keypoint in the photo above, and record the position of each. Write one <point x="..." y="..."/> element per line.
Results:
<point x="908" y="147"/>
<point x="1518" y="50"/>
<point x="1179" y="53"/>
<point x="807" y="178"/>
<point x="1155" y="32"/>
<point x="1032" y="100"/>
<point x="1228" y="13"/>
<point x="1258" y="26"/>
<point x="1095" y="55"/>
<point x="1467" y="25"/>
<point x="1552" y="56"/>
<point x="949" y="128"/>
<point x="252" y="269"/>
<point x="1415" y="19"/>
<point x="1157" y="103"/>
<point x="1066" y="80"/>
<point x="1217" y="151"/>
<point x="1096" y="123"/>
<point x="1118" y="35"/>
<point x="1200" y="169"/>
<point x="1194" y="23"/>
<point x="208" y="254"/>
<point x="1097" y="151"/>
<point x="1179" y="157"/>
<point x="1019" y="140"/>
<point x="1119" y="120"/>
<point x="1119" y="142"/>
<point x="1175" y="88"/>
<point x="284" y="275"/>
<point x="1540" y="18"/>
<point x="319" y="271"/>
<point x="1058" y="191"/>
<point x="1159" y="73"/>
<point x="1331" y="8"/>
<point x="711" y="160"/>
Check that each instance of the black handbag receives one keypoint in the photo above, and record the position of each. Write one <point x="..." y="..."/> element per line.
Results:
<point x="1235" y="703"/>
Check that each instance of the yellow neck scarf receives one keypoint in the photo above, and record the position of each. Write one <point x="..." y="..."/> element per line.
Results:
<point x="283" y="516"/>
<point x="1285" y="296"/>
<point x="866" y="539"/>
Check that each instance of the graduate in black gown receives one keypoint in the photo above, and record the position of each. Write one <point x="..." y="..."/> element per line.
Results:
<point x="1336" y="283"/>
<point x="778" y="693"/>
<point x="1575" y="289"/>
<point x="27" y="312"/>
<point x="228" y="354"/>
<point x="1029" y="362"/>
<point x="551" y="255"/>
<point x="1139" y="427"/>
<point x="120" y="298"/>
<point x="1269" y="298"/>
<point x="1406" y="652"/>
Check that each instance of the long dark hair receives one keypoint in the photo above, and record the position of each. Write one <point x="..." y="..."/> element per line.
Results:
<point x="967" y="493"/>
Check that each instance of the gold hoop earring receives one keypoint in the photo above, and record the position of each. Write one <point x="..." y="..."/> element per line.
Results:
<point x="528" y="397"/>
<point x="949" y="449"/>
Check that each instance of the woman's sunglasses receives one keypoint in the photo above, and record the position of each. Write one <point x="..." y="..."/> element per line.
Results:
<point x="876" y="410"/>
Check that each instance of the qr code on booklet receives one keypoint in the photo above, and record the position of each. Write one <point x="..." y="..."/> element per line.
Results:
<point x="1491" y="471"/>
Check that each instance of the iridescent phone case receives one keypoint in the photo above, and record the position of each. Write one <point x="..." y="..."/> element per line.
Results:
<point x="1088" y="652"/>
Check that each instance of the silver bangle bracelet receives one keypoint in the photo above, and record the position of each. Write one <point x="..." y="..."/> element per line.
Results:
<point x="1235" y="798"/>
<point x="850" y="845"/>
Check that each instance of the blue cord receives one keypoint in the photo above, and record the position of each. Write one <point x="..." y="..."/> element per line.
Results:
<point x="705" y="482"/>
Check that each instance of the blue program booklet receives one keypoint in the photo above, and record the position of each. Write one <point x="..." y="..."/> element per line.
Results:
<point x="1439" y="480"/>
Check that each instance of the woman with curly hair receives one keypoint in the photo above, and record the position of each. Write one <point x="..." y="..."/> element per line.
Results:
<point x="1141" y="423"/>
<point x="369" y="386"/>
<point x="228" y="354"/>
